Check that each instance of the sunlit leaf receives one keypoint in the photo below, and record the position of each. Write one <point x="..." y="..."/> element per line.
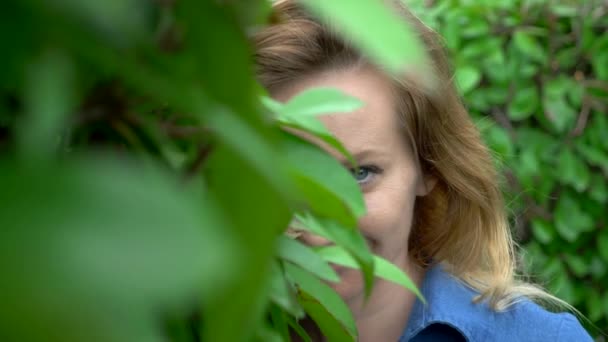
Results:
<point x="318" y="101"/>
<point x="309" y="123"/>
<point x="382" y="268"/>
<point x="295" y="252"/>
<point x="345" y="237"/>
<point x="467" y="78"/>
<point x="364" y="21"/>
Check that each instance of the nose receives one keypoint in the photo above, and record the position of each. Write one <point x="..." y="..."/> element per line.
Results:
<point x="314" y="240"/>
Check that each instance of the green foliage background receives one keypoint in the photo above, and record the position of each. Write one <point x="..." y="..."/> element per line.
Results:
<point x="534" y="74"/>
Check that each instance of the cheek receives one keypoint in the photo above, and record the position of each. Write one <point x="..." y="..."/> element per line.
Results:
<point x="388" y="219"/>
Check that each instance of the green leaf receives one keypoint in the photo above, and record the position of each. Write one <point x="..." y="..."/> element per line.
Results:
<point x="121" y="21"/>
<point x="571" y="170"/>
<point x="251" y="146"/>
<point x="258" y="213"/>
<point x="602" y="245"/>
<point x="363" y="21"/>
<point x="323" y="305"/>
<point x="605" y="304"/>
<point x="281" y="293"/>
<point x="600" y="65"/>
<point x="598" y="190"/>
<point x="49" y="99"/>
<point x="299" y="330"/>
<point x="329" y="187"/>
<point x="382" y="268"/>
<point x="597" y="268"/>
<point x="499" y="140"/>
<point x="467" y="78"/>
<point x="318" y="101"/>
<point x="564" y="10"/>
<point x="280" y="321"/>
<point x="267" y="333"/>
<point x="577" y="264"/>
<point x="529" y="46"/>
<point x="557" y="110"/>
<point x="593" y="155"/>
<point x="113" y="244"/>
<point x="570" y="219"/>
<point x="524" y="103"/>
<point x="295" y="252"/>
<point x="594" y="305"/>
<point x="543" y="231"/>
<point x="348" y="238"/>
<point x="304" y="119"/>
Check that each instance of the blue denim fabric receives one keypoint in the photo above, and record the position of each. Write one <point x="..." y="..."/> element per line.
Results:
<point x="450" y="315"/>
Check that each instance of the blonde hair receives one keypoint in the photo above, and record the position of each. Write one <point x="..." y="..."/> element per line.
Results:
<point x="462" y="222"/>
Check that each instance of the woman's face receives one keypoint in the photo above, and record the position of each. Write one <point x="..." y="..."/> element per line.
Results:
<point x="389" y="177"/>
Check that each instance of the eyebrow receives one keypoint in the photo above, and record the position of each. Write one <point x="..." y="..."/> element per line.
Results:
<point x="361" y="155"/>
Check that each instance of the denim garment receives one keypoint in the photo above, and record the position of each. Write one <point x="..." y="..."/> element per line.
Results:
<point x="450" y="315"/>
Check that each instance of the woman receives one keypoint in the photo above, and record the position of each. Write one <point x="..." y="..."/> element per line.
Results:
<point x="434" y="205"/>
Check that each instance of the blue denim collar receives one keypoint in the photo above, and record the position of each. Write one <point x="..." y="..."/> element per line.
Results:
<point x="451" y="314"/>
<point x="449" y="302"/>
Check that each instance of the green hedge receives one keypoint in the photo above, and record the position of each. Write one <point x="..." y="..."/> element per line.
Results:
<point x="534" y="74"/>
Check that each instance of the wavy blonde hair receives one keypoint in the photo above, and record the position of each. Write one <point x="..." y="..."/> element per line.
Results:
<point x="462" y="222"/>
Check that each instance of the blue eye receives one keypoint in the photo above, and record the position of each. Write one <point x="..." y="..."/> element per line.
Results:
<point x="364" y="174"/>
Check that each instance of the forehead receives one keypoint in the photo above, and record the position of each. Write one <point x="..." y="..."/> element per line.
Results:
<point x="375" y="125"/>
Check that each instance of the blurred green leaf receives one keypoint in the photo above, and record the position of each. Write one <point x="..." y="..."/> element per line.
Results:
<point x="236" y="184"/>
<point x="348" y="238"/>
<point x="364" y="21"/>
<point x="329" y="187"/>
<point x="593" y="155"/>
<point x="571" y="170"/>
<point x="556" y="109"/>
<point x="597" y="267"/>
<point x="281" y="292"/>
<point x="120" y="22"/>
<point x="251" y="146"/>
<point x="524" y="103"/>
<point x="529" y="46"/>
<point x="564" y="10"/>
<point x="543" y="231"/>
<point x="382" y="268"/>
<point x="295" y="252"/>
<point x="467" y="78"/>
<point x="323" y="305"/>
<point x="301" y="111"/>
<point x="318" y="101"/>
<point x="49" y="97"/>
<point x="598" y="190"/>
<point x="577" y="264"/>
<point x="108" y="248"/>
<point x="499" y="140"/>
<point x="602" y="245"/>
<point x="570" y="219"/>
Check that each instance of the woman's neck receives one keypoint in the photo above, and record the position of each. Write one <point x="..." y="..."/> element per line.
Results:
<point x="385" y="314"/>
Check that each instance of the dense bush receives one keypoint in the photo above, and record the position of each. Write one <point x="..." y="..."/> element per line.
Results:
<point x="535" y="76"/>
